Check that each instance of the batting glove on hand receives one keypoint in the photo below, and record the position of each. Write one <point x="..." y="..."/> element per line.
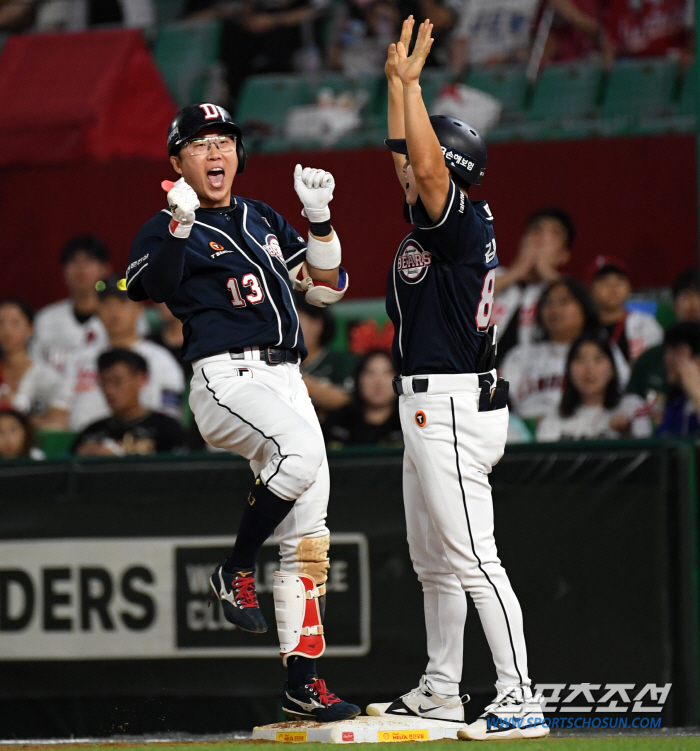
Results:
<point x="183" y="203"/>
<point x="315" y="190"/>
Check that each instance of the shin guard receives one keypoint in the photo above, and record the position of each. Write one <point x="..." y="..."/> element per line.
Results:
<point x="298" y="615"/>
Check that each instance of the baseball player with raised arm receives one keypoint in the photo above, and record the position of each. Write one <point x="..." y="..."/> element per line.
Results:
<point x="452" y="406"/>
<point x="227" y="267"/>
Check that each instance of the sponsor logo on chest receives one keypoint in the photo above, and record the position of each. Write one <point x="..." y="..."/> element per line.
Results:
<point x="412" y="262"/>
<point x="272" y="246"/>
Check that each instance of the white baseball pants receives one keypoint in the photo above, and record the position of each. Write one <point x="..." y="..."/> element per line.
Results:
<point x="263" y="412"/>
<point x="451" y="448"/>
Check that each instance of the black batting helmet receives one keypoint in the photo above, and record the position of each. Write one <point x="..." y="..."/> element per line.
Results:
<point x="195" y="117"/>
<point x="463" y="147"/>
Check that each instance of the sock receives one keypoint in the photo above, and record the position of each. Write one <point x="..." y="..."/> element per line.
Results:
<point x="264" y="512"/>
<point x="298" y="669"/>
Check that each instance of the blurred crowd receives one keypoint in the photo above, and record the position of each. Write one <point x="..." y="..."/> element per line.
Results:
<point x="277" y="36"/>
<point x="584" y="360"/>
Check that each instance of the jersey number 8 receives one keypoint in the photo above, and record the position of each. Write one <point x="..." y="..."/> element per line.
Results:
<point x="483" y="312"/>
<point x="256" y="294"/>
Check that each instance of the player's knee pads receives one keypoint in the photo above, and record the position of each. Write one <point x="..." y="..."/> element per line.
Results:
<point x="298" y="615"/>
<point x="312" y="559"/>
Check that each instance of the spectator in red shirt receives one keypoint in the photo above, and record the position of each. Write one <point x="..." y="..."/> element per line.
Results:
<point x="576" y="30"/>
<point x="639" y="28"/>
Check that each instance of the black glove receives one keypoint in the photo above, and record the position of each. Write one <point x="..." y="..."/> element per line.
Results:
<point x="493" y="399"/>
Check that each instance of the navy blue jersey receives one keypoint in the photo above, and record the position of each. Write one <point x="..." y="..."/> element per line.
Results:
<point x="441" y="285"/>
<point x="231" y="288"/>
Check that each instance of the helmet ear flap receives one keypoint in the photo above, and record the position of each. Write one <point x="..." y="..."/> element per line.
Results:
<point x="242" y="156"/>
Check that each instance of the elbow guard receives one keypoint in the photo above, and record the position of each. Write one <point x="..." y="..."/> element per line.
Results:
<point x="321" y="295"/>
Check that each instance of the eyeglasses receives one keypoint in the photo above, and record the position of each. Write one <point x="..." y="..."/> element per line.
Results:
<point x="200" y="146"/>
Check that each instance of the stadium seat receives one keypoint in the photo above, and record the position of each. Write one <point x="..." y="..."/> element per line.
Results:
<point x="640" y="88"/>
<point x="687" y="99"/>
<point x="566" y="91"/>
<point x="265" y="99"/>
<point x="168" y="10"/>
<point x="507" y="83"/>
<point x="185" y="53"/>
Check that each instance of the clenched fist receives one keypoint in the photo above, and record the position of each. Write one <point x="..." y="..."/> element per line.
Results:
<point x="183" y="203"/>
<point x="315" y="190"/>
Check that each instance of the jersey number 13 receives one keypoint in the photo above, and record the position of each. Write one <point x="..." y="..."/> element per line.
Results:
<point x="250" y="281"/>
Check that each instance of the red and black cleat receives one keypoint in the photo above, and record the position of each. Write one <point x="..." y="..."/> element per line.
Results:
<point x="236" y="591"/>
<point x="313" y="701"/>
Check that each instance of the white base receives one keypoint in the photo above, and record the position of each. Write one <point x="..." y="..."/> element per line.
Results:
<point x="359" y="730"/>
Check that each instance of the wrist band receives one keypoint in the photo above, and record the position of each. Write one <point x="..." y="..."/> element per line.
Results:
<point x="321" y="229"/>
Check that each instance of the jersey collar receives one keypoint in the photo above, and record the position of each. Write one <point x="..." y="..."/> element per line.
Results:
<point x="223" y="209"/>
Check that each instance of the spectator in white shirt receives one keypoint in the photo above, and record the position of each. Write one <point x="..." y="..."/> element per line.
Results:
<point x="592" y="405"/>
<point x="490" y="32"/>
<point x="79" y="401"/>
<point x="68" y="325"/>
<point x="78" y="15"/>
<point x="536" y="371"/>
<point x="545" y="247"/>
<point x="633" y="331"/>
<point x="25" y="385"/>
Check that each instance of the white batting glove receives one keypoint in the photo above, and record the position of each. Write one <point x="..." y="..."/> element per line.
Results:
<point x="183" y="203"/>
<point x="315" y="190"/>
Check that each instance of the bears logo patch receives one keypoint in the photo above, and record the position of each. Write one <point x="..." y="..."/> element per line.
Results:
<point x="272" y="246"/>
<point x="413" y="262"/>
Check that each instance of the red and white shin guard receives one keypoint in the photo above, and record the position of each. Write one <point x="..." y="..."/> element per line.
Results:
<point x="298" y="615"/>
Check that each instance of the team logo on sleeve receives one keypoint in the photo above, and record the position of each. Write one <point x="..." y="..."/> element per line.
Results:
<point x="272" y="246"/>
<point x="413" y="262"/>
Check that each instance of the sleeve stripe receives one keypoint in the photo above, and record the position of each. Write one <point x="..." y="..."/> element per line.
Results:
<point x="291" y="258"/>
<point x="128" y="284"/>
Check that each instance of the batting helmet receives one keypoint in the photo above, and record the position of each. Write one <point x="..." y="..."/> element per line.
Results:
<point x="195" y="117"/>
<point x="463" y="147"/>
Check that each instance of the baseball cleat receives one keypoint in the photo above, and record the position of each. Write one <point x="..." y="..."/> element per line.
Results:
<point x="514" y="714"/>
<point x="422" y="702"/>
<point x="313" y="701"/>
<point x="236" y="591"/>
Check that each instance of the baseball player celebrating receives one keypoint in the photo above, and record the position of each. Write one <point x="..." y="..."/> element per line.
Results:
<point x="226" y="266"/>
<point x="453" y="409"/>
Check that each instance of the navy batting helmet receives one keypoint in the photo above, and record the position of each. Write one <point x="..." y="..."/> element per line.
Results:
<point x="195" y="117"/>
<point x="463" y="147"/>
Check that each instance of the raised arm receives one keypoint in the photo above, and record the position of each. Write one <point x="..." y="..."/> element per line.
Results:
<point x="395" y="124"/>
<point x="424" y="151"/>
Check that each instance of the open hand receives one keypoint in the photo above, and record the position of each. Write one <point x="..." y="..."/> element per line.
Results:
<point x="409" y="68"/>
<point x="392" y="61"/>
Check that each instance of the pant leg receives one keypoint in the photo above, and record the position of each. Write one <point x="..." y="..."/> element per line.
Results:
<point x="253" y="416"/>
<point x="303" y="536"/>
<point x="454" y="451"/>
<point x="444" y="601"/>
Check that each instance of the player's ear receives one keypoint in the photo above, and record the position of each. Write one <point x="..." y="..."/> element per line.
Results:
<point x="175" y="161"/>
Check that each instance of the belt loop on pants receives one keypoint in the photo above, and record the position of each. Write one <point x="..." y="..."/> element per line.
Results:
<point x="419" y="385"/>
